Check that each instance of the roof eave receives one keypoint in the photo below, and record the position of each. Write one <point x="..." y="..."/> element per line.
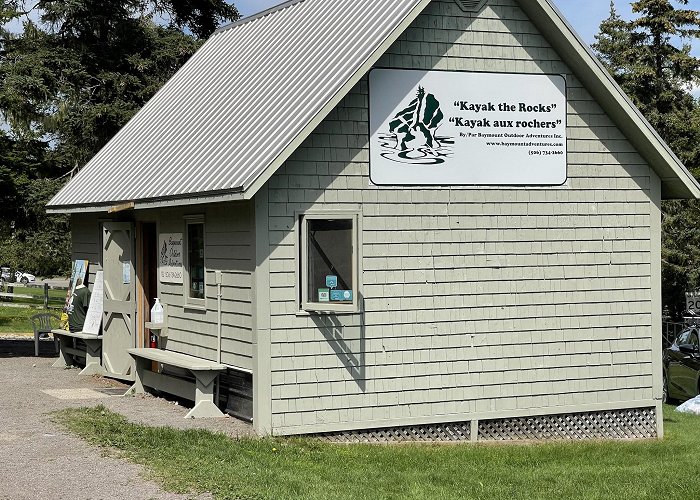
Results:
<point x="676" y="181"/>
<point x="197" y="199"/>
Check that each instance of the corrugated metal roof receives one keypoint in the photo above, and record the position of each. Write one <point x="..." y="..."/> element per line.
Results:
<point x="239" y="101"/>
<point x="220" y="127"/>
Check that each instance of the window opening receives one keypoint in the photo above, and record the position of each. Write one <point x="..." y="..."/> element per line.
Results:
<point x="195" y="260"/>
<point x="328" y="263"/>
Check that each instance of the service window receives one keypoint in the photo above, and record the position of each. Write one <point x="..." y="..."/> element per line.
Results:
<point x="195" y="260"/>
<point x="329" y="262"/>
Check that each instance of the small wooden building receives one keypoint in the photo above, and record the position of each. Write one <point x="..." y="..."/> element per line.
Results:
<point x="431" y="217"/>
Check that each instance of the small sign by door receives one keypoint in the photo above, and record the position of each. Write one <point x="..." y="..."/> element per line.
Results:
<point x="170" y="268"/>
<point x="126" y="273"/>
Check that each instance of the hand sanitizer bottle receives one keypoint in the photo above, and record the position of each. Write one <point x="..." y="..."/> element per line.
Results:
<point x="157" y="312"/>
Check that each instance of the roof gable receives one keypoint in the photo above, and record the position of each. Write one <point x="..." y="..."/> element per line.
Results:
<point x="223" y="125"/>
<point x="244" y="99"/>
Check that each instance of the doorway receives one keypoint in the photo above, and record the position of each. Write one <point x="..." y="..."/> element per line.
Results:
<point x="148" y="277"/>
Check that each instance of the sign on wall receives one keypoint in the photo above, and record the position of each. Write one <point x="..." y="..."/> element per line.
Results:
<point x="456" y="128"/>
<point x="170" y="258"/>
<point x="93" y="318"/>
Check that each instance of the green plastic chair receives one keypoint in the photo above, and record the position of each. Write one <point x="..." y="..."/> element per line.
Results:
<point x="43" y="324"/>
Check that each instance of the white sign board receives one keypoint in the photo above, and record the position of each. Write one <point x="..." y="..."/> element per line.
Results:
<point x="93" y="317"/>
<point x="170" y="268"/>
<point x="456" y="128"/>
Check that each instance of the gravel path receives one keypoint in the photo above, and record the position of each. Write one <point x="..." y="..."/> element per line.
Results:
<point x="38" y="459"/>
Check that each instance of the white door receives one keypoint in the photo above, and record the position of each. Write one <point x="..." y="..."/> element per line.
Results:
<point x="119" y="322"/>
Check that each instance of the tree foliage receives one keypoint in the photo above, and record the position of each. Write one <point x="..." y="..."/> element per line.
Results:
<point x="650" y="58"/>
<point x="72" y="76"/>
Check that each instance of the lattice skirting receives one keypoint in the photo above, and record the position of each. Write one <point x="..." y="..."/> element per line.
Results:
<point x="434" y="433"/>
<point x="639" y="423"/>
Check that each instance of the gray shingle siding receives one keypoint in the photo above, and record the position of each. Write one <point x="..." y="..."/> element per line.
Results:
<point x="229" y="247"/>
<point x="479" y="302"/>
<point x="86" y="245"/>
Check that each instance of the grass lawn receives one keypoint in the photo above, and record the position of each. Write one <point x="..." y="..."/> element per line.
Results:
<point x="16" y="319"/>
<point x="197" y="461"/>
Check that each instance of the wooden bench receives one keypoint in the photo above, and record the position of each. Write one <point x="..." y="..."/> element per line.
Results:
<point x="202" y="391"/>
<point x="68" y="352"/>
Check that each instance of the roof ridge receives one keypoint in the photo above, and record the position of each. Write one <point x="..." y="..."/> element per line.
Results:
<point x="253" y="17"/>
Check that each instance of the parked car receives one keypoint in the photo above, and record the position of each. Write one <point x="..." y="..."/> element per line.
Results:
<point x="681" y="366"/>
<point x="24" y="278"/>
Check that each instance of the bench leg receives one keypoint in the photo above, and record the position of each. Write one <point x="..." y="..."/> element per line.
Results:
<point x="204" y="406"/>
<point x="64" y="360"/>
<point x="92" y="358"/>
<point x="137" y="388"/>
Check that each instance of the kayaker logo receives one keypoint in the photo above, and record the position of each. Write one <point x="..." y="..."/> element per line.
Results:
<point x="164" y="254"/>
<point x="413" y="133"/>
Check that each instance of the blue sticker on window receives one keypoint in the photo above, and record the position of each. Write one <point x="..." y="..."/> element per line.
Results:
<point x="332" y="281"/>
<point x="341" y="295"/>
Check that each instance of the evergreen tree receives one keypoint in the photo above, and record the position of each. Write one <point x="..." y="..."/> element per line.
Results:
<point x="78" y="81"/>
<point x="657" y="73"/>
<point x="615" y="45"/>
<point x="68" y="82"/>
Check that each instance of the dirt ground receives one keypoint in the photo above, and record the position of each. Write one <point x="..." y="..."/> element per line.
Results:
<point x="38" y="459"/>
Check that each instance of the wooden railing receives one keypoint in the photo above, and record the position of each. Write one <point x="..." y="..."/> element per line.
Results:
<point x="40" y="295"/>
